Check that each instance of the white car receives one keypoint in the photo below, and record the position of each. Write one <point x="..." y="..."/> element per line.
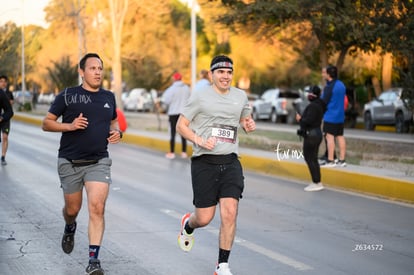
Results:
<point x="388" y="109"/>
<point x="45" y="98"/>
<point x="138" y="99"/>
<point x="20" y="100"/>
<point x="276" y="105"/>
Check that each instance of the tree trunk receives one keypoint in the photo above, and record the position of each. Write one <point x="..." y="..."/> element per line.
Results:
<point x="118" y="10"/>
<point x="386" y="71"/>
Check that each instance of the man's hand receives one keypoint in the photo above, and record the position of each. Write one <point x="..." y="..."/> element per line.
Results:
<point x="248" y="124"/>
<point x="114" y="136"/>
<point x="79" y="123"/>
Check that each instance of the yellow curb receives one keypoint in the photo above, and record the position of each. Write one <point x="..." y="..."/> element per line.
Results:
<point x="386" y="187"/>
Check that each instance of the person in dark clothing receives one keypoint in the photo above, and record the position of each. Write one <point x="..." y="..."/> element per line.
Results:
<point x="310" y="128"/>
<point x="88" y="124"/>
<point x="5" y="124"/>
<point x="6" y="113"/>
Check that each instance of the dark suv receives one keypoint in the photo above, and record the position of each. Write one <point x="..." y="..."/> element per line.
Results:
<point x="388" y="109"/>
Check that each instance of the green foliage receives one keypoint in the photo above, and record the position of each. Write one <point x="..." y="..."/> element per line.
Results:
<point x="63" y="73"/>
<point x="27" y="107"/>
<point x="180" y="16"/>
<point x="222" y="48"/>
<point x="143" y="73"/>
<point x="10" y="47"/>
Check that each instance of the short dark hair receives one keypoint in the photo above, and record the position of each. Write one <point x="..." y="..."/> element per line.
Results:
<point x="332" y="71"/>
<point x="85" y="57"/>
<point x="4" y="77"/>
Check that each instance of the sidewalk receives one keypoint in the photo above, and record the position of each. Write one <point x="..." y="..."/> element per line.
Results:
<point x="384" y="183"/>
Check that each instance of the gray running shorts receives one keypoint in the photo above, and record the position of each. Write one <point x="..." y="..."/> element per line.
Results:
<point x="73" y="178"/>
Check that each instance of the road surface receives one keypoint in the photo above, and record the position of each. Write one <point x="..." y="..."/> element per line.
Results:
<point x="281" y="229"/>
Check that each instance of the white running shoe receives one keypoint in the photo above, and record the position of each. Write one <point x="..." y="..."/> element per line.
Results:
<point x="170" y="155"/>
<point x="314" y="187"/>
<point x="223" y="269"/>
<point x="341" y="163"/>
<point x="185" y="240"/>
<point x="329" y="164"/>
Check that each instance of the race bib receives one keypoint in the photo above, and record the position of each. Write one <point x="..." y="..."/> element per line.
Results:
<point x="224" y="133"/>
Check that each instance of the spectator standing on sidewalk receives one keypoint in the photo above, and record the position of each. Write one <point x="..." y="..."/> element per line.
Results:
<point x="310" y="129"/>
<point x="203" y="81"/>
<point x="211" y="120"/>
<point x="175" y="98"/>
<point x="5" y="125"/>
<point x="334" y="118"/>
<point x="89" y="123"/>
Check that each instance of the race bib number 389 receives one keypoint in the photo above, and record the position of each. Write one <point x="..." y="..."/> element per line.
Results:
<point x="224" y="133"/>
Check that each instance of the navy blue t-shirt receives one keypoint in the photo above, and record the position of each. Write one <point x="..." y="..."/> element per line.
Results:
<point x="99" y="108"/>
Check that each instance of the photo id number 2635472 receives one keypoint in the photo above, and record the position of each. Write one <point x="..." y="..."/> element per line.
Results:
<point x="368" y="247"/>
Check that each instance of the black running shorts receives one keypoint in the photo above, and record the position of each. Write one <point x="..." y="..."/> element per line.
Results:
<point x="335" y="129"/>
<point x="215" y="177"/>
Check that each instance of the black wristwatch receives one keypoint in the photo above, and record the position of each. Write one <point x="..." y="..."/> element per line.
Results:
<point x="120" y="133"/>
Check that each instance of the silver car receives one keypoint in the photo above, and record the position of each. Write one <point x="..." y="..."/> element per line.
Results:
<point x="388" y="109"/>
<point x="276" y="105"/>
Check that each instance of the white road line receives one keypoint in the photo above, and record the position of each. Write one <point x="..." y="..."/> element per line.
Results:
<point x="249" y="245"/>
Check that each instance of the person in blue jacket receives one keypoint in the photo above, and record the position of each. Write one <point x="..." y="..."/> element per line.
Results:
<point x="333" y="120"/>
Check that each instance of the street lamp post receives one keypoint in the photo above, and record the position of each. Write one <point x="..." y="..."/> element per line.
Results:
<point x="23" y="60"/>
<point x="193" y="43"/>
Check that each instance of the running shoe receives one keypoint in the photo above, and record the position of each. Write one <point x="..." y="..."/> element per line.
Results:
<point x="94" y="268"/>
<point x="170" y="156"/>
<point x="185" y="240"/>
<point x="223" y="269"/>
<point x="3" y="161"/>
<point x="314" y="187"/>
<point x="329" y="164"/>
<point x="68" y="241"/>
<point x="341" y="163"/>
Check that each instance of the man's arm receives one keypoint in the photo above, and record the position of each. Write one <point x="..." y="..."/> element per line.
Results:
<point x="7" y="108"/>
<point x="51" y="124"/>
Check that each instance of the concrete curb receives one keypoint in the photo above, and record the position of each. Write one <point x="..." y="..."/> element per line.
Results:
<point x="375" y="185"/>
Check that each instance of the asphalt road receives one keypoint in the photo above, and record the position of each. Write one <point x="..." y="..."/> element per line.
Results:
<point x="281" y="229"/>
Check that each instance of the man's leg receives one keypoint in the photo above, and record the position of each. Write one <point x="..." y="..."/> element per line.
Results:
<point x="97" y="193"/>
<point x="4" y="146"/>
<point x="228" y="215"/>
<point x="342" y="147"/>
<point x="73" y="204"/>
<point x="330" y="142"/>
<point x="190" y="221"/>
<point x="201" y="217"/>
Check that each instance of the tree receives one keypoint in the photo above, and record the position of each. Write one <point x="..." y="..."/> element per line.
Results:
<point x="118" y="10"/>
<point x="335" y="25"/>
<point x="63" y="73"/>
<point x="10" y="46"/>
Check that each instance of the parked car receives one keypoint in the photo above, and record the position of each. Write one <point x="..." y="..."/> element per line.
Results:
<point x="19" y="99"/>
<point x="138" y="99"/>
<point x="124" y="97"/>
<point x="276" y="105"/>
<point x="388" y="109"/>
<point x="45" y="98"/>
